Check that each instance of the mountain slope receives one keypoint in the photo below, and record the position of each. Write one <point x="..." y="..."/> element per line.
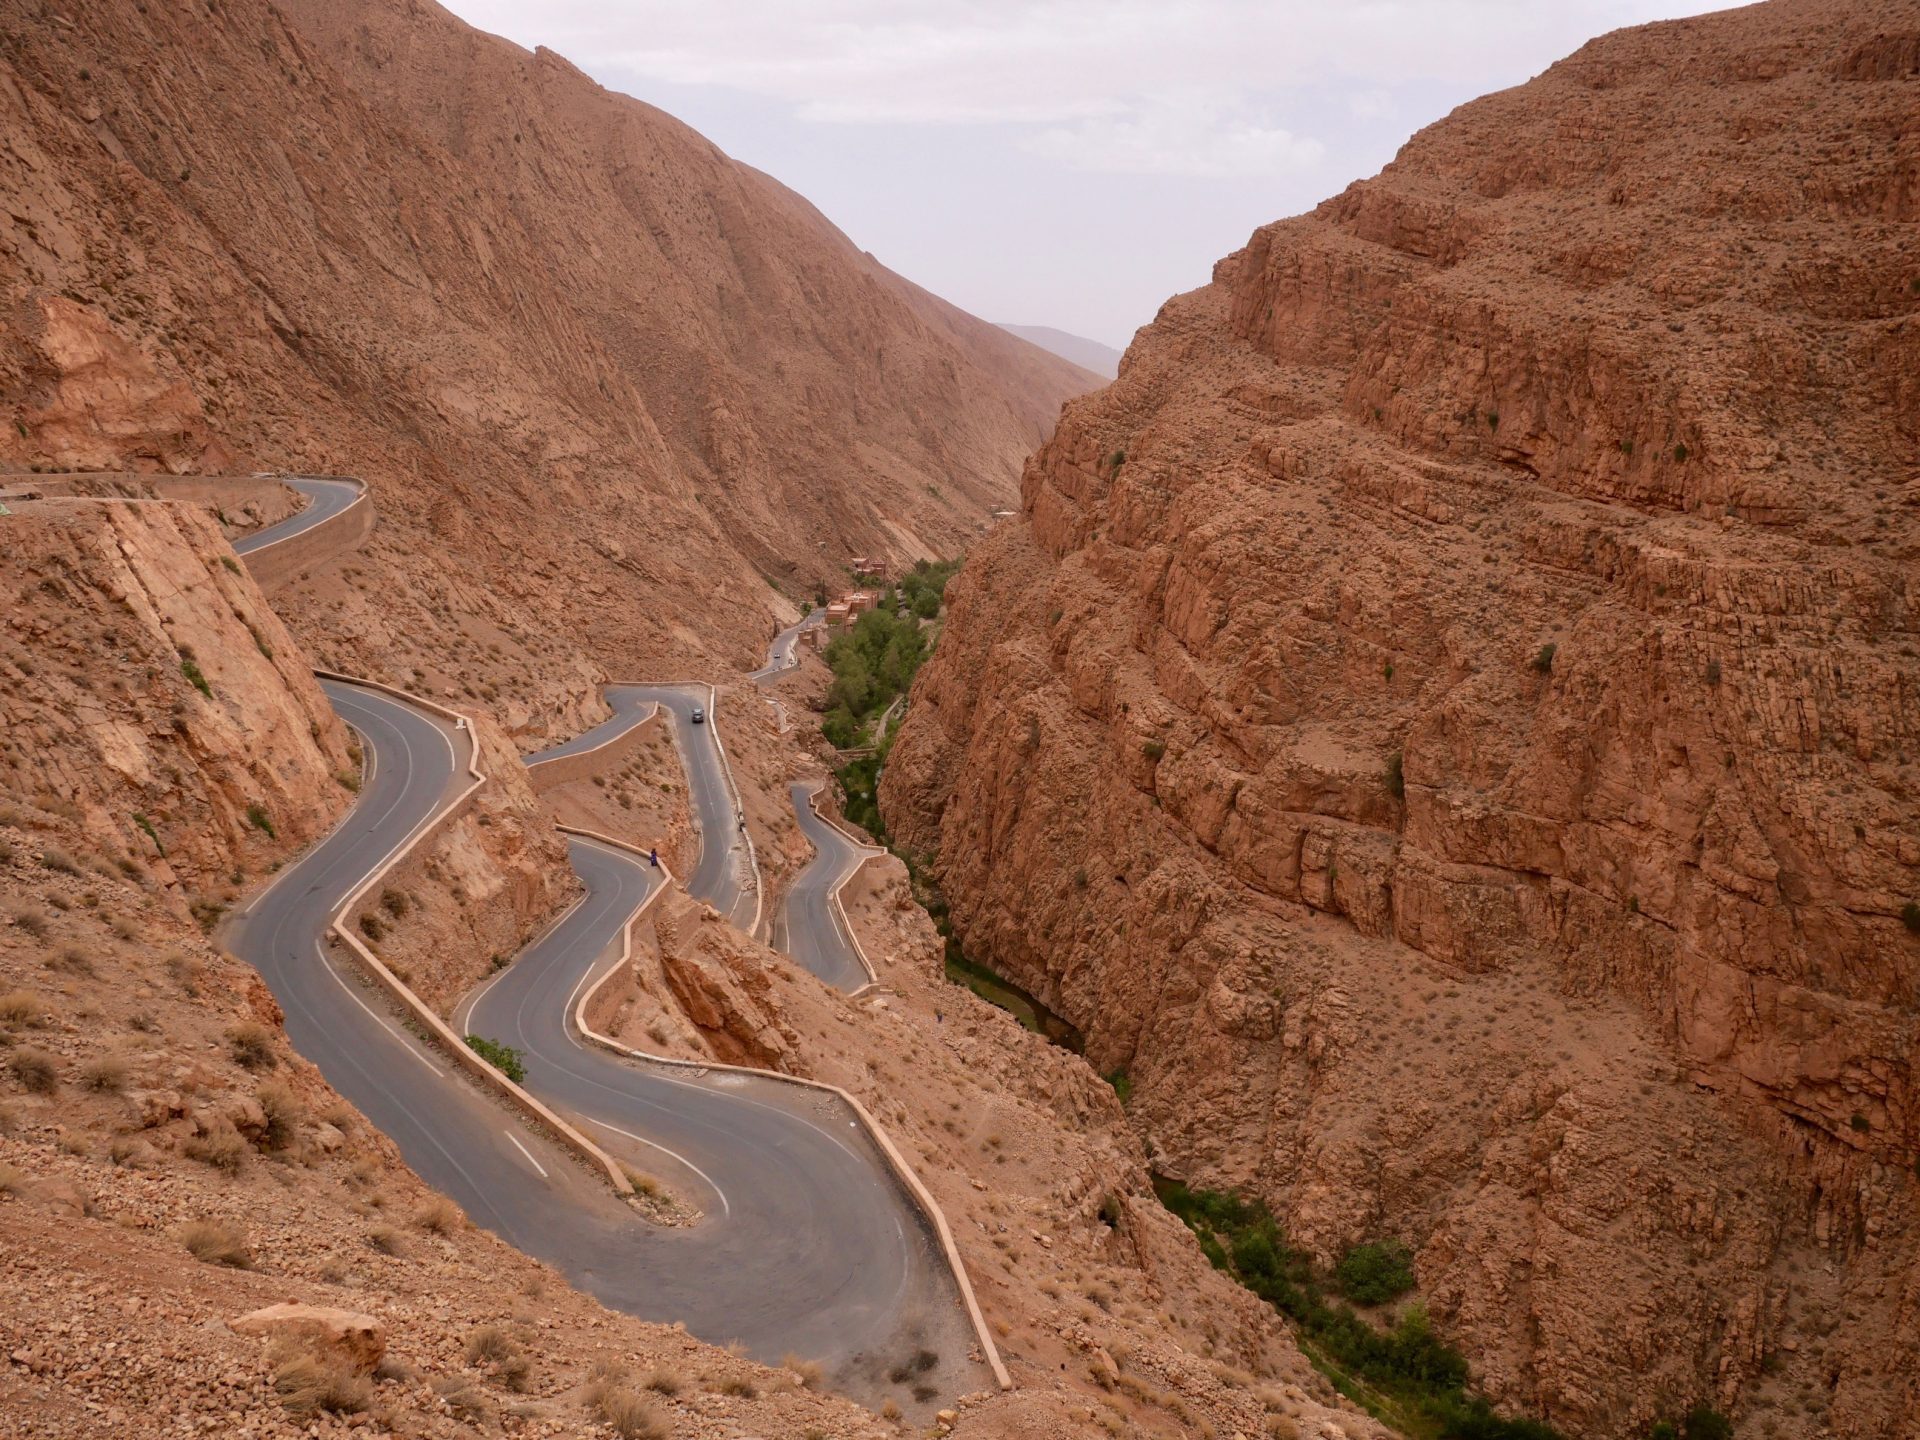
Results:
<point x="1102" y="360"/>
<point x="560" y="332"/>
<point x="1447" y="722"/>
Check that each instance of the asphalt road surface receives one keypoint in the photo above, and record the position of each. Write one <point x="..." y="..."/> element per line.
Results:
<point x="783" y="651"/>
<point x="327" y="498"/>
<point x="809" y="927"/>
<point x="723" y="878"/>
<point x="808" y="1242"/>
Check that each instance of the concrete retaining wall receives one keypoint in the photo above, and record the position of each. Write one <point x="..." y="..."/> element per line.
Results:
<point x="423" y="1014"/>
<point x="897" y="1162"/>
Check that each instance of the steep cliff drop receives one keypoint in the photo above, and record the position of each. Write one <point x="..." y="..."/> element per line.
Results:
<point x="1447" y="724"/>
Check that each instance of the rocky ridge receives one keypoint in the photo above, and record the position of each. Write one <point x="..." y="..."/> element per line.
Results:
<point x="1447" y="722"/>
<point x="593" y="367"/>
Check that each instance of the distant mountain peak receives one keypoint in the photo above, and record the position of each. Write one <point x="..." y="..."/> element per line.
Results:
<point x="1087" y="354"/>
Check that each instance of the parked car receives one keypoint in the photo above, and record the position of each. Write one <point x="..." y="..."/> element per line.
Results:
<point x="699" y="715"/>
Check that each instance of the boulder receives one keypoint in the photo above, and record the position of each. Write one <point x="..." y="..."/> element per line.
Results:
<point x="359" y="1340"/>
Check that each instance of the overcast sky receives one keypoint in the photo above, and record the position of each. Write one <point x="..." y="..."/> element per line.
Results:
<point x="1061" y="162"/>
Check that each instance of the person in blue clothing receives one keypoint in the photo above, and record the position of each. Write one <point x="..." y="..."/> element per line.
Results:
<point x="653" y="857"/>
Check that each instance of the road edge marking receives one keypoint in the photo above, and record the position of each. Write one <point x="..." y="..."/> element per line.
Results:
<point x="438" y="1029"/>
<point x="895" y="1160"/>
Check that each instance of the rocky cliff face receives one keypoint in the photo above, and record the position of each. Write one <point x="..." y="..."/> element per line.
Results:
<point x="592" y="367"/>
<point x="1448" y="722"/>
<point x="150" y="696"/>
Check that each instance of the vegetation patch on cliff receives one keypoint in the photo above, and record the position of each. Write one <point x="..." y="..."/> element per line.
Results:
<point x="1405" y="1376"/>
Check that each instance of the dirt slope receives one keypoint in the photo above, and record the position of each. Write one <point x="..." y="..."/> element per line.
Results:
<point x="1447" y="721"/>
<point x="558" y="331"/>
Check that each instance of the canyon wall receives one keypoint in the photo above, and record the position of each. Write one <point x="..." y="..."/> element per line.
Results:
<point x="149" y="693"/>
<point x="593" y="369"/>
<point x="1447" y="723"/>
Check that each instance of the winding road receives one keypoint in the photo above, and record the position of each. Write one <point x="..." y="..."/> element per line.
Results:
<point x="807" y="1244"/>
<point x="723" y="876"/>
<point x="783" y="649"/>
<point x="326" y="499"/>
<point x="810" y="926"/>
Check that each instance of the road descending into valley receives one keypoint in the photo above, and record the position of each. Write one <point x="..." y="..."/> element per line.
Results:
<point x="783" y="650"/>
<point x="807" y="1243"/>
<point x="723" y="876"/>
<point x="811" y="927"/>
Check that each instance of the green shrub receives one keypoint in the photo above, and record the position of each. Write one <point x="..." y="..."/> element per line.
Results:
<point x="503" y="1058"/>
<point x="1910" y="916"/>
<point x="1374" y="1273"/>
<point x="1703" y="1422"/>
<point x="1396" y="777"/>
<point x="1410" y="1366"/>
<point x="1680" y="453"/>
<point x="1154" y="749"/>
<point x="1122" y="1084"/>
<point x="258" y="818"/>
<point x="147" y="825"/>
<point x="191" y="669"/>
<point x="1543" y="661"/>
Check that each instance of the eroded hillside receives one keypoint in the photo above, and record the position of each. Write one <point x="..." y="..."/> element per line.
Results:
<point x="1447" y="724"/>
<point x="593" y="367"/>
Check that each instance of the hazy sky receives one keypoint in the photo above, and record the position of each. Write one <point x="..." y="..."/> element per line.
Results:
<point x="1063" y="162"/>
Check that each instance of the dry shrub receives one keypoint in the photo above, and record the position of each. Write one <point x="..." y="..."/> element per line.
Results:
<point x="1283" y="1427"/>
<point x="808" y="1372"/>
<point x="32" y="921"/>
<point x="665" y="1382"/>
<point x="467" y="1400"/>
<point x="386" y="1240"/>
<point x="58" y="861"/>
<point x="74" y="961"/>
<point x="740" y="1387"/>
<point x="440" y="1216"/>
<point x="221" y="1147"/>
<point x="492" y="1347"/>
<point x="251" y="1046"/>
<point x="35" y="1070"/>
<point x="631" y="1416"/>
<point x="217" y="1243"/>
<point x="309" y="1382"/>
<point x="284" y="1113"/>
<point x="13" y="1180"/>
<point x="106" y="1073"/>
<point x="23" y="1008"/>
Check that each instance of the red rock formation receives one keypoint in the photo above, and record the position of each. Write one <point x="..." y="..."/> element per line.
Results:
<point x="592" y="367"/>
<point x="1448" y="722"/>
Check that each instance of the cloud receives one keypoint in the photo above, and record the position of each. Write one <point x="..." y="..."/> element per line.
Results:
<point x="1178" y="139"/>
<point x="1053" y="62"/>
<point x="1369" y="104"/>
